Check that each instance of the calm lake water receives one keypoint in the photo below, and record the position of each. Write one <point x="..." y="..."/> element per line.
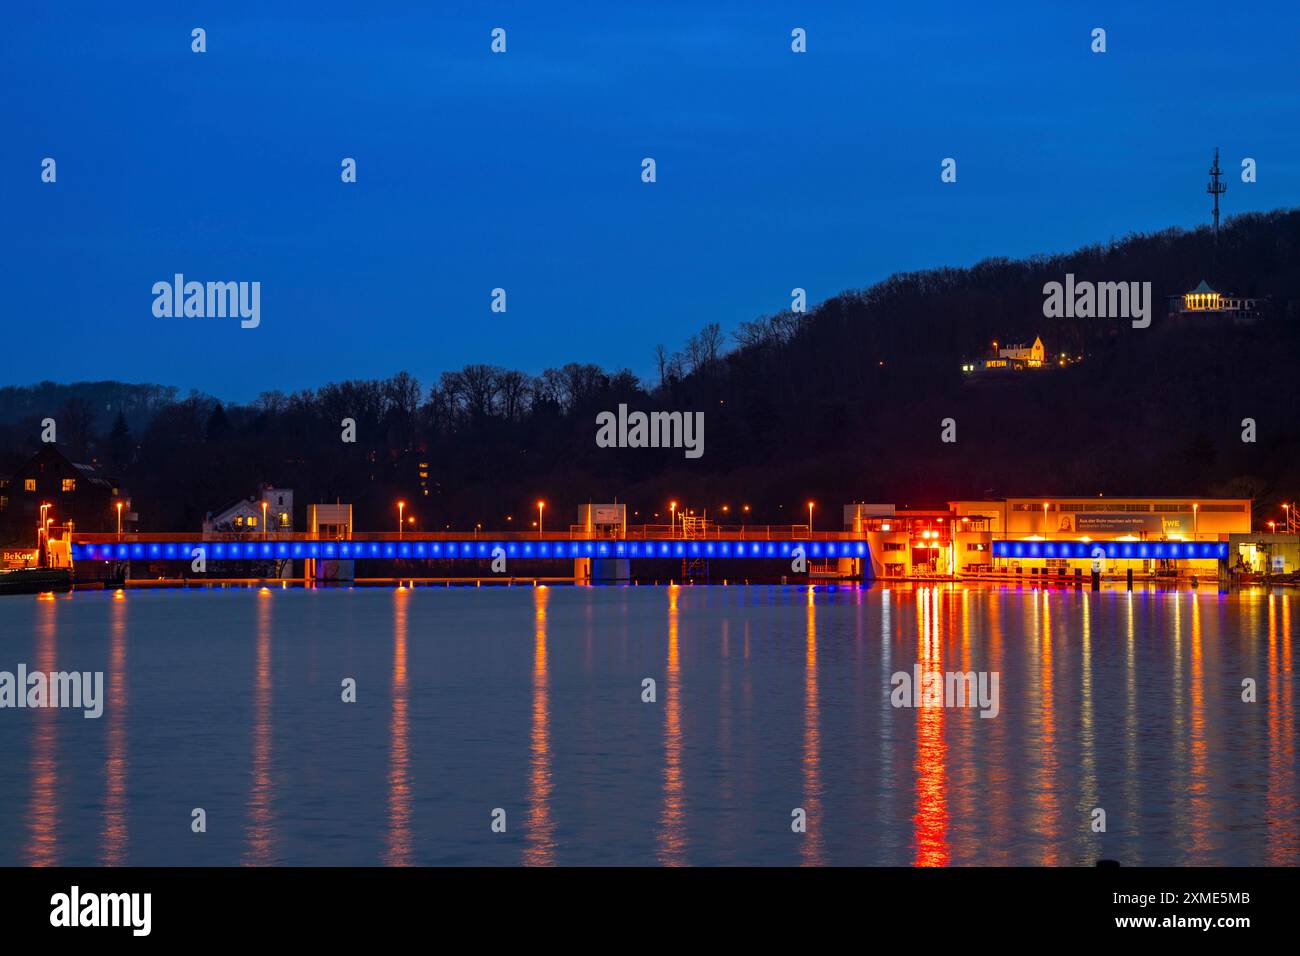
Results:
<point x="768" y="699"/>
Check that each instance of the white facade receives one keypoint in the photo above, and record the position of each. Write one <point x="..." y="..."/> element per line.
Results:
<point x="1030" y="354"/>
<point x="246" y="514"/>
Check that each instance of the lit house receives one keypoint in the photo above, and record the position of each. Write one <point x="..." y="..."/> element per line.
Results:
<point x="1029" y="356"/>
<point x="275" y="505"/>
<point x="1206" y="304"/>
<point x="78" y="492"/>
<point x="1004" y="358"/>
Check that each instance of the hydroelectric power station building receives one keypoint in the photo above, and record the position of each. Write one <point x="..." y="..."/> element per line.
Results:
<point x="1053" y="536"/>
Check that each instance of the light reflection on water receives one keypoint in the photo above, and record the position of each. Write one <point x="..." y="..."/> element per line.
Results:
<point x="259" y="835"/>
<point x="768" y="699"/>
<point x="113" y="839"/>
<point x="399" y="848"/>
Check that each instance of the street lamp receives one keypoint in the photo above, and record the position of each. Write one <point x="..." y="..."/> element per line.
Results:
<point x="1044" y="520"/>
<point x="263" y="519"/>
<point x="42" y="531"/>
<point x="540" y="506"/>
<point x="810" y="508"/>
<point x="401" y="505"/>
<point x="1196" y="508"/>
<point x="672" y="516"/>
<point x="119" y="521"/>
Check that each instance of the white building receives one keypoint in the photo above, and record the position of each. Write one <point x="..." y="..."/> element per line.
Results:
<point x="1030" y="355"/>
<point x="246" y="514"/>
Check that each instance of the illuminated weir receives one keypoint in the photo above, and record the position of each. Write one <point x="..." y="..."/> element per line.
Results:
<point x="1038" y="539"/>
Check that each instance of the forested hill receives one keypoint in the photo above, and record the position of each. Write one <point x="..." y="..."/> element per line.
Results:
<point x="844" y="403"/>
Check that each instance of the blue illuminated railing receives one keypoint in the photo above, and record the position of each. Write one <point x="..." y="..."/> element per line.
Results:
<point x="1118" y="550"/>
<point x="146" y="550"/>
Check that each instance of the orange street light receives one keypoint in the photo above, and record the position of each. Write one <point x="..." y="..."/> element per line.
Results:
<point x="263" y="519"/>
<point x="401" y="506"/>
<point x="672" y="514"/>
<point x="119" y="520"/>
<point x="540" y="506"/>
<point x="810" y="508"/>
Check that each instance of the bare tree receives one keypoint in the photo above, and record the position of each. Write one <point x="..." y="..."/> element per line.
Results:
<point x="482" y="385"/>
<point x="513" y="389"/>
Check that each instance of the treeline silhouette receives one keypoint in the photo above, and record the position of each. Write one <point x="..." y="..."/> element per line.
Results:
<point x="844" y="403"/>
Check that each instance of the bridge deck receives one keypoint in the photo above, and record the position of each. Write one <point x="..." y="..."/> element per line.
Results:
<point x="369" y="546"/>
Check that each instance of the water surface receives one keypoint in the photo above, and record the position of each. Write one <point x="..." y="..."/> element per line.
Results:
<point x="768" y="700"/>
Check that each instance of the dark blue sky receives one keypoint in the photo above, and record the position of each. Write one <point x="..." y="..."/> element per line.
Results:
<point x="522" y="170"/>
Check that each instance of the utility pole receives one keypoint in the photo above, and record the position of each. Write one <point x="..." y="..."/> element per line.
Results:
<point x="1215" y="189"/>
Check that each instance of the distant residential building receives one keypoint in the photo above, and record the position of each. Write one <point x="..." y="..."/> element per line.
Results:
<point x="1031" y="355"/>
<point x="1207" y="304"/>
<point x="82" y="493"/>
<point x="246" y="514"/>
<point x="1007" y="358"/>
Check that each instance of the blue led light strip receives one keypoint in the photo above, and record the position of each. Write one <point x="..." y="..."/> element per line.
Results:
<point x="146" y="550"/>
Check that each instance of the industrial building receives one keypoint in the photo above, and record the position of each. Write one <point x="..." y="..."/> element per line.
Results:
<point x="1054" y="536"/>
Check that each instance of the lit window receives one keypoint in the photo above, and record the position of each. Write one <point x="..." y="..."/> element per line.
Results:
<point x="284" y="518"/>
<point x="29" y="484"/>
<point x="4" y="502"/>
<point x="69" y="484"/>
<point x="239" y="521"/>
<point x="252" y="521"/>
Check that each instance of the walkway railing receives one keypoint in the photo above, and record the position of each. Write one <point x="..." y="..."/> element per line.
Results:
<point x="633" y="533"/>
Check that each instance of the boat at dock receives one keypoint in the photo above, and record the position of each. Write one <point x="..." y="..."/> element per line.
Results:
<point x="35" y="580"/>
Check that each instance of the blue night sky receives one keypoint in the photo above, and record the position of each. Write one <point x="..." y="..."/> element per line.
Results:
<point x="522" y="170"/>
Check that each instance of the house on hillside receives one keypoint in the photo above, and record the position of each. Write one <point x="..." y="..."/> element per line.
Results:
<point x="1028" y="356"/>
<point x="1001" y="359"/>
<point x="1204" y="304"/>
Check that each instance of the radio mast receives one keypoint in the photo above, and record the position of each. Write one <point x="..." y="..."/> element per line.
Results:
<point x="1216" y="189"/>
